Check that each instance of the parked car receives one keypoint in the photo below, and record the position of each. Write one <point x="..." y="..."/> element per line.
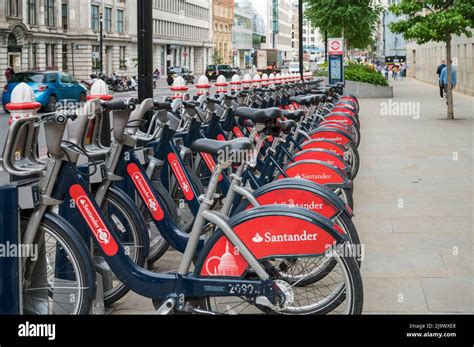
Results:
<point x="313" y="57"/>
<point x="295" y="67"/>
<point x="182" y="71"/>
<point x="50" y="87"/>
<point x="214" y="71"/>
<point x="237" y="71"/>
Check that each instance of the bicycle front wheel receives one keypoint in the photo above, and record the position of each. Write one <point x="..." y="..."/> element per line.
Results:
<point x="60" y="277"/>
<point x="132" y="233"/>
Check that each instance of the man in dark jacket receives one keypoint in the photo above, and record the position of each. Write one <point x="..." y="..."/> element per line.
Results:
<point x="9" y="72"/>
<point x="441" y="87"/>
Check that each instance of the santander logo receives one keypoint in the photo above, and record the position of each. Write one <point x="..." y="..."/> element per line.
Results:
<point x="180" y="176"/>
<point x="322" y="176"/>
<point x="268" y="237"/>
<point x="145" y="192"/>
<point x="103" y="235"/>
<point x="93" y="220"/>
<point x="257" y="238"/>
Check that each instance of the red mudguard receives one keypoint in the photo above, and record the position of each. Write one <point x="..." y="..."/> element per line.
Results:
<point x="333" y="135"/>
<point x="321" y="144"/>
<point x="338" y="117"/>
<point x="315" y="171"/>
<point x="323" y="155"/>
<point x="268" y="232"/>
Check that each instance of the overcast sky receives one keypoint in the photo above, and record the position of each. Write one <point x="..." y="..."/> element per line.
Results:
<point x="259" y="5"/>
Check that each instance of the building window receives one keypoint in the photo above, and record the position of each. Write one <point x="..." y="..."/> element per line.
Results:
<point x="95" y="58"/>
<point x="31" y="12"/>
<point x="95" y="17"/>
<point x="64" y="56"/>
<point x="108" y="19"/>
<point x="64" y="16"/>
<point x="33" y="56"/>
<point x="50" y="57"/>
<point x="49" y="13"/>
<point x="123" y="57"/>
<point x="13" y="9"/>
<point x="120" y="21"/>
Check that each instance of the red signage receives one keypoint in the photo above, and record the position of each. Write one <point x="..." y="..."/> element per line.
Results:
<point x="93" y="220"/>
<point x="181" y="176"/>
<point x="145" y="192"/>
<point x="336" y="47"/>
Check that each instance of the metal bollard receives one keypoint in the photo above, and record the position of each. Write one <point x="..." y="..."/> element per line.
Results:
<point x="179" y="88"/>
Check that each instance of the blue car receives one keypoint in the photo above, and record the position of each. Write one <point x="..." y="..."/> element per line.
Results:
<point x="50" y="87"/>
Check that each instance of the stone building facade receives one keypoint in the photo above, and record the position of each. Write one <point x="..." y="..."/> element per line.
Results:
<point x="64" y="35"/>
<point x="242" y="35"/>
<point x="182" y="34"/>
<point x="222" y="24"/>
<point x="423" y="62"/>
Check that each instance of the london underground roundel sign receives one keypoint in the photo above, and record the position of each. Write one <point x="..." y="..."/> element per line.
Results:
<point x="336" y="47"/>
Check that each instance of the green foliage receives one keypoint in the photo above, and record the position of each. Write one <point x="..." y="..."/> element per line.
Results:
<point x="216" y="57"/>
<point x="364" y="74"/>
<point x="321" y="73"/>
<point x="354" y="20"/>
<point x="433" y="20"/>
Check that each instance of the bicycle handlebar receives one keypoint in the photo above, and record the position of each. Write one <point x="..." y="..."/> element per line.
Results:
<point x="120" y="105"/>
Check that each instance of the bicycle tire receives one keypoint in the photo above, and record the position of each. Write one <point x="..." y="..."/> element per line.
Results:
<point x="77" y="252"/>
<point x="136" y="229"/>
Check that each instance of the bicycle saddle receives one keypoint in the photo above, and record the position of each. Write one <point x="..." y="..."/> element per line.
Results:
<point x="217" y="148"/>
<point x="258" y="116"/>
<point x="294" y="115"/>
<point x="322" y="97"/>
<point x="303" y="100"/>
<point x="287" y="124"/>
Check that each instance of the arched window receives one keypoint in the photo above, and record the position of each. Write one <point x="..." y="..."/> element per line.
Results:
<point x="12" y="42"/>
<point x="396" y="41"/>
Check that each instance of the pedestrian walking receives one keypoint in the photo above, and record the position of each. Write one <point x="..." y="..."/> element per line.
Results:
<point x="403" y="71"/>
<point x="395" y="72"/>
<point x="9" y="73"/>
<point x="379" y="69"/>
<point x="438" y="72"/>
<point x="387" y="71"/>
<point x="444" y="79"/>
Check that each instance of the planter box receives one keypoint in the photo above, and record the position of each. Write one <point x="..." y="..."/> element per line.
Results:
<point x="366" y="90"/>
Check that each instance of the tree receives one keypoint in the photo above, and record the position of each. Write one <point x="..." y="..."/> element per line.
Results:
<point x="435" y="20"/>
<point x="354" y="20"/>
<point x="217" y="58"/>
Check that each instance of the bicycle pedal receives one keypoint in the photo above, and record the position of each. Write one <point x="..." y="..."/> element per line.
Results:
<point x="167" y="307"/>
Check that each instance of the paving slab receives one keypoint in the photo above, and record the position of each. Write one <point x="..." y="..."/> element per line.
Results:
<point x="449" y="295"/>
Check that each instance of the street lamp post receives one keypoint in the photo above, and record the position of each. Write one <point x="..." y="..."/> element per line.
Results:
<point x="301" y="53"/>
<point x="145" y="49"/>
<point x="101" y="43"/>
<point x="326" y="46"/>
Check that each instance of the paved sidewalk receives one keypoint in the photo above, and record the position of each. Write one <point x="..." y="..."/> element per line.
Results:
<point x="414" y="206"/>
<point x="414" y="203"/>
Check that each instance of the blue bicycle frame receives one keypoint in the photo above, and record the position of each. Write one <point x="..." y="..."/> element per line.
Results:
<point x="143" y="282"/>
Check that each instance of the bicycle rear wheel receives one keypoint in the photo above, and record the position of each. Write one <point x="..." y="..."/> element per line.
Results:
<point x="340" y="292"/>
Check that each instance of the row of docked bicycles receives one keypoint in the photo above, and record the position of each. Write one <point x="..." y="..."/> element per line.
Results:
<point x="252" y="186"/>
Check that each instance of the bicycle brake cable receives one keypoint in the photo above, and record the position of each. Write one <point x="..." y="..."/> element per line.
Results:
<point x="90" y="160"/>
